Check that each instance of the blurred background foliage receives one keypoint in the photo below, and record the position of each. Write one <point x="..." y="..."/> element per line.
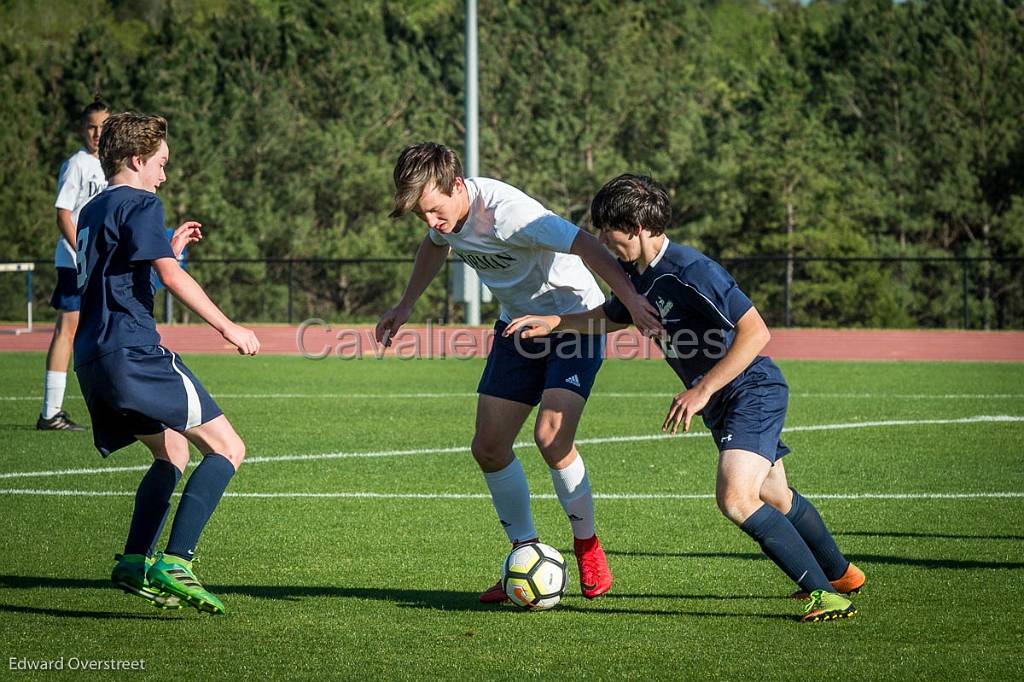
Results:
<point x="782" y="129"/>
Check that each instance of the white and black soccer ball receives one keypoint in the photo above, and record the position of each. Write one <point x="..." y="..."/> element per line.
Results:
<point x="534" y="576"/>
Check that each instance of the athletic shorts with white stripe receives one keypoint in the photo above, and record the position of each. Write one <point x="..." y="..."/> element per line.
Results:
<point x="141" y="391"/>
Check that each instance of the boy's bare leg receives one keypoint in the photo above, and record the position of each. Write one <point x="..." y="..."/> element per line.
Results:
<point x="555" y="430"/>
<point x="52" y="417"/>
<point x="498" y="422"/>
<point x="59" y="354"/>
<point x="775" y="489"/>
<point x="555" y="435"/>
<point x="218" y="436"/>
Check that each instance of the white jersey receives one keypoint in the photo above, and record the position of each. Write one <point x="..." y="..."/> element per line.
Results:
<point x="520" y="250"/>
<point x="80" y="179"/>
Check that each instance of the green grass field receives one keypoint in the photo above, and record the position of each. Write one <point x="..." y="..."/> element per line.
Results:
<point x="350" y="547"/>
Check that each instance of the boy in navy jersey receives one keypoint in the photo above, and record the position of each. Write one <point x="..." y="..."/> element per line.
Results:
<point x="135" y="388"/>
<point x="714" y="335"/>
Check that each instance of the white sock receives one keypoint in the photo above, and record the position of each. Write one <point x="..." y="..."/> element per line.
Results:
<point x="573" y="489"/>
<point x="53" y="393"/>
<point x="511" y="497"/>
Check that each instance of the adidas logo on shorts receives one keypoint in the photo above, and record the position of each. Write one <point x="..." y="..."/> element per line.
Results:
<point x="574" y="380"/>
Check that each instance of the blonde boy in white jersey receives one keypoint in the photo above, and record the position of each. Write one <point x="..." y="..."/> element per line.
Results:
<point x="81" y="178"/>
<point x="533" y="261"/>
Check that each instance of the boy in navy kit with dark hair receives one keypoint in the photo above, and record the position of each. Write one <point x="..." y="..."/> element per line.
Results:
<point x="714" y="335"/>
<point x="135" y="388"/>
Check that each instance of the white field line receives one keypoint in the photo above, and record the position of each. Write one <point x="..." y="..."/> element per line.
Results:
<point x="600" y="394"/>
<point x="485" y="496"/>
<point x="980" y="419"/>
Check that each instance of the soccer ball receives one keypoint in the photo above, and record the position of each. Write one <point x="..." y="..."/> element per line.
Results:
<point x="533" y="576"/>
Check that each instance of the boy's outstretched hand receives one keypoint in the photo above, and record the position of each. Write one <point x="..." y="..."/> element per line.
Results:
<point x="532" y="326"/>
<point x="684" y="406"/>
<point x="241" y="338"/>
<point x="389" y="324"/>
<point x="187" y="233"/>
<point x="645" y="316"/>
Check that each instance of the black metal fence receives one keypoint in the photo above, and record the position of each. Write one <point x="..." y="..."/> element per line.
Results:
<point x="879" y="292"/>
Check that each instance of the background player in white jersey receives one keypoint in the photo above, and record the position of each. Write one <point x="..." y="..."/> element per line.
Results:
<point x="533" y="262"/>
<point x="80" y="179"/>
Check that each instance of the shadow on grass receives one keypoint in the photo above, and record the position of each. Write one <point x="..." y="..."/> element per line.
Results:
<point x="78" y="613"/>
<point x="940" y="536"/>
<point x="602" y="610"/>
<point x="930" y="562"/>
<point x="441" y="600"/>
<point x="449" y="600"/>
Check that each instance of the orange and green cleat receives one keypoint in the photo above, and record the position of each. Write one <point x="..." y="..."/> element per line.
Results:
<point x="849" y="584"/>
<point x="827" y="606"/>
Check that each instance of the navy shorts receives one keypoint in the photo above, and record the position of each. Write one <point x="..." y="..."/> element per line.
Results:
<point x="521" y="370"/>
<point x="141" y="391"/>
<point x="750" y="413"/>
<point x="65" y="294"/>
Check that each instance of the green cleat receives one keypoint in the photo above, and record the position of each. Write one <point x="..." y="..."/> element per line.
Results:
<point x="129" y="574"/>
<point x="827" y="606"/>
<point x="174" y="575"/>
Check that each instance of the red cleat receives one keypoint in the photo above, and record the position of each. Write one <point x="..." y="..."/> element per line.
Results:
<point x="595" y="576"/>
<point x="494" y="594"/>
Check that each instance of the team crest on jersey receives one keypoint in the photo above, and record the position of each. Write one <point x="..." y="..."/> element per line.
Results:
<point x="663" y="306"/>
<point x="487" y="261"/>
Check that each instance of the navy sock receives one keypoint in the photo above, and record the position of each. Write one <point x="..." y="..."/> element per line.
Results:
<point x="152" y="502"/>
<point x="783" y="545"/>
<point x="807" y="521"/>
<point x="202" y="494"/>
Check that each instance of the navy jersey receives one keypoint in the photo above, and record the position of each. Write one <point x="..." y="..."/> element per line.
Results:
<point x="699" y="305"/>
<point x="120" y="232"/>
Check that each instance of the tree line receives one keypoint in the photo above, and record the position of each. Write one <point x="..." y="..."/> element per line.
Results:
<point x="784" y="130"/>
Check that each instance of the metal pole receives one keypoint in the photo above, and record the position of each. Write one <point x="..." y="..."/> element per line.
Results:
<point x="28" y="296"/>
<point x="472" y="149"/>
<point x="291" y="279"/>
<point x="967" y="312"/>
<point x="788" y="292"/>
<point x="447" y="291"/>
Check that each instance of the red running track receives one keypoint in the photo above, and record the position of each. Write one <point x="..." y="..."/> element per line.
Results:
<point x="437" y="341"/>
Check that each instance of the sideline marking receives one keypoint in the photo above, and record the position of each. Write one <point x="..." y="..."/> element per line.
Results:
<point x="604" y="394"/>
<point x="545" y="496"/>
<point x="980" y="419"/>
